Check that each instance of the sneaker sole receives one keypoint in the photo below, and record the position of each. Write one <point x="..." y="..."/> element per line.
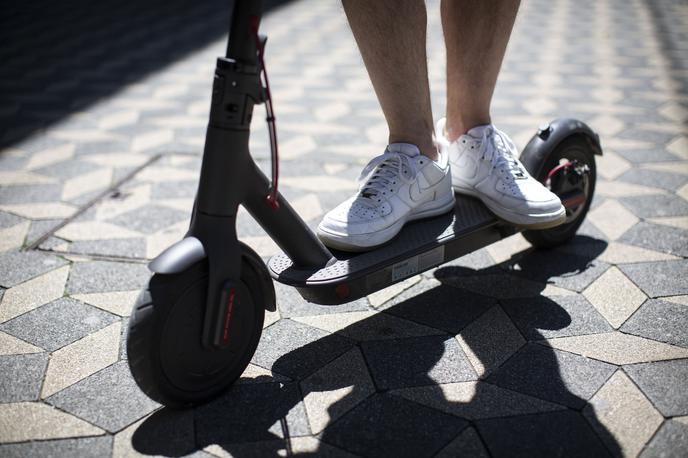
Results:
<point x="528" y="221"/>
<point x="369" y="241"/>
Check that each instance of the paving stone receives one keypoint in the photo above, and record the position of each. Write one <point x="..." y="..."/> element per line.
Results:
<point x="614" y="296"/>
<point x="25" y="421"/>
<point x="489" y="341"/>
<point x="291" y="304"/>
<point x="114" y="399"/>
<point x="542" y="317"/>
<point x="570" y="272"/>
<point x="173" y="190"/>
<point x="82" y="358"/>
<point x="668" y="278"/>
<point x="671" y="441"/>
<point x="378" y="298"/>
<point x="662" y="321"/>
<point x="468" y="443"/>
<point x="89" y="447"/>
<point x="387" y="425"/>
<point x="226" y="420"/>
<point x="655" y="206"/>
<point x="562" y="433"/>
<point x="297" y="350"/>
<point x="335" y="389"/>
<point x="130" y="248"/>
<point x="24" y="194"/>
<point x="617" y="348"/>
<point x="552" y="375"/>
<point x="367" y="325"/>
<point x="21" y="377"/>
<point x="33" y="293"/>
<point x="663" y="383"/>
<point x="622" y="415"/>
<point x="10" y="345"/>
<point x="117" y="302"/>
<point x="612" y="218"/>
<point x="17" y="267"/>
<point x="166" y="432"/>
<point x="440" y="307"/>
<point x="476" y="400"/>
<point x="416" y="361"/>
<point x="659" y="238"/>
<point x="58" y="323"/>
<point x="298" y="446"/>
<point x="103" y="276"/>
<point x="664" y="180"/>
<point x="149" y="219"/>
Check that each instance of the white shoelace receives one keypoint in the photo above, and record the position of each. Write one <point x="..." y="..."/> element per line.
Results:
<point x="497" y="148"/>
<point x="382" y="172"/>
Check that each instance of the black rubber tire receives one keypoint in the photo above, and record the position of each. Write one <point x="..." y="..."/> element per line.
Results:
<point x="574" y="147"/>
<point x="164" y="347"/>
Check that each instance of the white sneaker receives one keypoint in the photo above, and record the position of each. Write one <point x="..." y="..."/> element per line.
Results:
<point x="399" y="186"/>
<point x="484" y="164"/>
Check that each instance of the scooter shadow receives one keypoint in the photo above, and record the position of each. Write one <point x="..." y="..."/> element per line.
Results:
<point x="387" y="395"/>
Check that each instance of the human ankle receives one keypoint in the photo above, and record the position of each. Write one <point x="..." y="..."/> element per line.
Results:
<point x="456" y="127"/>
<point x="426" y="146"/>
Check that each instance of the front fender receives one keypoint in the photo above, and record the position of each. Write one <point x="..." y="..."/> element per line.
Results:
<point x="178" y="257"/>
<point x="549" y="136"/>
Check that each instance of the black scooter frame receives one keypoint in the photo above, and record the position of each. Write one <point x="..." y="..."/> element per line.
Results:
<point x="230" y="177"/>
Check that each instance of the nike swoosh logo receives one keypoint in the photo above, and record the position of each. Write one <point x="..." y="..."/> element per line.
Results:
<point x="415" y="191"/>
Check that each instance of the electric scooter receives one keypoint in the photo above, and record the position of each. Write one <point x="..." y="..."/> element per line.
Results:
<point x="196" y="326"/>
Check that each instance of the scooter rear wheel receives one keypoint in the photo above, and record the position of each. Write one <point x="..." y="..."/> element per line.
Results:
<point x="166" y="355"/>
<point x="576" y="172"/>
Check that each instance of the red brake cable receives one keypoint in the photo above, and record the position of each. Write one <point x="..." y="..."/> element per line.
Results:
<point x="270" y="118"/>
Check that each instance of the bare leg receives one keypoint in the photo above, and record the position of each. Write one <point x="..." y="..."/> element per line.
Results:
<point x="476" y="33"/>
<point x="391" y="37"/>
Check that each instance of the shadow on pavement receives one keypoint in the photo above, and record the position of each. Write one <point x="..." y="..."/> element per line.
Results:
<point x="60" y="57"/>
<point x="523" y="405"/>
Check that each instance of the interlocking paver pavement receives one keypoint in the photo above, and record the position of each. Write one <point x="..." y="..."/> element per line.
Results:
<point x="581" y="350"/>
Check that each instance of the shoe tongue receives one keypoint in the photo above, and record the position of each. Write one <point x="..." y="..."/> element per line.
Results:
<point x="478" y="131"/>
<point x="407" y="149"/>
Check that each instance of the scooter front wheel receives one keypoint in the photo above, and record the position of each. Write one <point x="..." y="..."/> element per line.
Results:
<point x="164" y="344"/>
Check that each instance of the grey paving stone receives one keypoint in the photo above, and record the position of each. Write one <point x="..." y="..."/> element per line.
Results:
<point x="387" y="425"/>
<point x="17" y="267"/>
<point x="657" y="237"/>
<point x="297" y="446"/>
<point x="103" y="276"/>
<point x="9" y="220"/>
<point x="21" y="376"/>
<point x="131" y="248"/>
<point x="24" y="194"/>
<point x="664" y="383"/>
<point x="149" y="218"/>
<point x="659" y="320"/>
<point x="67" y="169"/>
<point x="654" y="178"/>
<point x="290" y="304"/>
<point x="167" y="432"/>
<point x="467" y="444"/>
<point x="173" y="190"/>
<point x="249" y="413"/>
<point x="417" y="361"/>
<point x="663" y="278"/>
<point x="296" y="349"/>
<point x="86" y="447"/>
<point x="543" y="317"/>
<point x="552" y="375"/>
<point x="113" y="399"/>
<point x="652" y="206"/>
<point x="475" y="261"/>
<point x="58" y="323"/>
<point x="562" y="433"/>
<point x="440" y="307"/>
<point x="671" y="441"/>
<point x="571" y="271"/>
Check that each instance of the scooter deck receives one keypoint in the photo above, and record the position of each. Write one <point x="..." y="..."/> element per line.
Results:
<point x="421" y="245"/>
